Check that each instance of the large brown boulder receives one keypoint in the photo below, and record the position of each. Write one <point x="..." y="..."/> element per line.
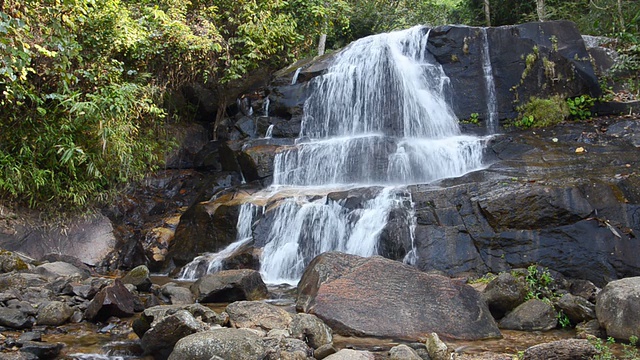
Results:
<point x="384" y="298"/>
<point x="113" y="300"/>
<point x="618" y="308"/>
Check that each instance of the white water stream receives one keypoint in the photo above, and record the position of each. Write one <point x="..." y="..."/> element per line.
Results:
<point x="492" y="103"/>
<point x="378" y="117"/>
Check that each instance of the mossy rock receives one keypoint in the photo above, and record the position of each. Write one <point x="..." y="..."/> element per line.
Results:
<point x="11" y="262"/>
<point x="139" y="277"/>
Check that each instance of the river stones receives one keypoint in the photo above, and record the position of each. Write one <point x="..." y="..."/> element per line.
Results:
<point x="54" y="313"/>
<point x="138" y="277"/>
<point x="257" y="315"/>
<point x="113" y="300"/>
<point x="393" y="300"/>
<point x="504" y="293"/>
<point x="568" y="349"/>
<point x="161" y="338"/>
<point x="311" y="329"/>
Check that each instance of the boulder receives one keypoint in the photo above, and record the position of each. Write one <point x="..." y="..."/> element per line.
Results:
<point x="88" y="238"/>
<point x="42" y="350"/>
<point x="138" y="277"/>
<point x="228" y="344"/>
<point x="577" y="308"/>
<point x="178" y="295"/>
<point x="437" y="349"/>
<point x="567" y="349"/>
<point x="504" y="293"/>
<point x="282" y="348"/>
<point x="403" y="352"/>
<point x="348" y="354"/>
<point x="257" y="315"/>
<point x="155" y="314"/>
<point x="10" y="261"/>
<point x="310" y="329"/>
<point x="164" y="334"/>
<point x="60" y="269"/>
<point x="532" y="315"/>
<point x="112" y="300"/>
<point x="15" y="318"/>
<point x="618" y="308"/>
<point x="590" y="329"/>
<point x="54" y="313"/>
<point x="229" y="286"/>
<point x="324" y="351"/>
<point x="394" y="300"/>
<point x="256" y="162"/>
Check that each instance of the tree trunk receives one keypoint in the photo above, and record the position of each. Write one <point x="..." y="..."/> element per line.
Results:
<point x="321" y="44"/>
<point x="622" y="27"/>
<point x="542" y="16"/>
<point x="487" y="12"/>
<point x="220" y="114"/>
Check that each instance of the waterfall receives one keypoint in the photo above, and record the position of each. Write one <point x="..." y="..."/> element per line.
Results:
<point x="269" y="133"/>
<point x="265" y="107"/>
<point x="492" y="124"/>
<point x="295" y="76"/>
<point x="375" y="122"/>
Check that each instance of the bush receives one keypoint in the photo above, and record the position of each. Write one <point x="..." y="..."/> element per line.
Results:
<point x="542" y="112"/>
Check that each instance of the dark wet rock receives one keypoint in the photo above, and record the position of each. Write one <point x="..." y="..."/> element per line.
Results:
<point x="403" y="352"/>
<point x="15" y="319"/>
<point x="584" y="288"/>
<point x="324" y="351"/>
<point x="229" y="286"/>
<point x="394" y="300"/>
<point x="88" y="288"/>
<point x="349" y="354"/>
<point x="164" y="334"/>
<point x="532" y="315"/>
<point x="138" y="277"/>
<point x="247" y="126"/>
<point x="42" y="350"/>
<point x="568" y="349"/>
<point x="504" y="293"/>
<point x="178" y="295"/>
<point x="618" y="308"/>
<point x="113" y="300"/>
<point x="190" y="138"/>
<point x="256" y="162"/>
<point x="60" y="269"/>
<point x="54" y="313"/>
<point x="257" y="315"/>
<point x="229" y="344"/>
<point x="204" y="227"/>
<point x="153" y="315"/>
<point x="577" y="308"/>
<point x="311" y="329"/>
<point x="459" y="50"/>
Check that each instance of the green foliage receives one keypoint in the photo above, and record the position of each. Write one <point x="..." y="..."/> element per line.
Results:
<point x="474" y="118"/>
<point x="538" y="282"/>
<point x="485" y="279"/>
<point x="83" y="83"/>
<point x="580" y="107"/>
<point x="563" y="320"/>
<point x="629" y="351"/>
<point x="542" y="112"/>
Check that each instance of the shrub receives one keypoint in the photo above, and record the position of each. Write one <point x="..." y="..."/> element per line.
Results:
<point x="542" y="112"/>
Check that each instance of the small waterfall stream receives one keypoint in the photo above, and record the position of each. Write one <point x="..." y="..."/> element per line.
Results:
<point x="377" y="119"/>
<point x="490" y="86"/>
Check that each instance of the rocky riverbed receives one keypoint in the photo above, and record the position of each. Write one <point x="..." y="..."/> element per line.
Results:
<point x="343" y="301"/>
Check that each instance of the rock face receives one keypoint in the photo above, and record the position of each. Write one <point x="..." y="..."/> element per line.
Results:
<point x="504" y="293"/>
<point x="618" y="308"/>
<point x="89" y="239"/>
<point x="394" y="300"/>
<point x="229" y="286"/>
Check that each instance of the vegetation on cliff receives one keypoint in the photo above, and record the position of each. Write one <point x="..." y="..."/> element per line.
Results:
<point x="86" y="86"/>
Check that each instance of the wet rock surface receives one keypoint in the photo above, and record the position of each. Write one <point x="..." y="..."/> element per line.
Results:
<point x="617" y="308"/>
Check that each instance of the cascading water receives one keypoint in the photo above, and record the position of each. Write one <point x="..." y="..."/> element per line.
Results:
<point x="492" y="124"/>
<point x="213" y="262"/>
<point x="377" y="120"/>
